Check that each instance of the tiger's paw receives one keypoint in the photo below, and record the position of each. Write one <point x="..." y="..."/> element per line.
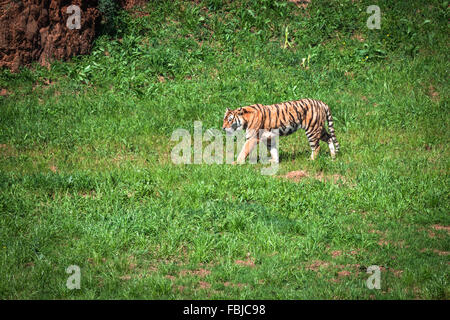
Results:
<point x="274" y="161"/>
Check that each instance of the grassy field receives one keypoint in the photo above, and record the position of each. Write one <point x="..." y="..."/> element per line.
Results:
<point x="86" y="176"/>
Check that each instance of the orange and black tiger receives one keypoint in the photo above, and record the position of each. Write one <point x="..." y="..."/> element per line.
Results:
<point x="264" y="123"/>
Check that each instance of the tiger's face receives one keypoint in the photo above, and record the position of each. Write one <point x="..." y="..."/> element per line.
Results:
<point x="233" y="120"/>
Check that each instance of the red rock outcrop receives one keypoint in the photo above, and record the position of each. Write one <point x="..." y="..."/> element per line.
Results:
<point x="36" y="30"/>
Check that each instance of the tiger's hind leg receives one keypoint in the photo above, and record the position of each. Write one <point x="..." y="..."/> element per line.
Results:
<point x="325" y="136"/>
<point x="315" y="151"/>
<point x="272" y="147"/>
<point x="314" y="138"/>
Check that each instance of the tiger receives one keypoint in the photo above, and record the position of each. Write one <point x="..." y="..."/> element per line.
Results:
<point x="265" y="122"/>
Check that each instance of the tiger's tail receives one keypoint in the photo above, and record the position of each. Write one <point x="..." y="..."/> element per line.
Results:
<point x="330" y="126"/>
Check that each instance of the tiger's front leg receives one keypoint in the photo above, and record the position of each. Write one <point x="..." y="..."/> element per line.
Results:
<point x="246" y="149"/>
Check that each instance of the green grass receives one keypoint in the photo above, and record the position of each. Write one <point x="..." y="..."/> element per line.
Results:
<point x="86" y="176"/>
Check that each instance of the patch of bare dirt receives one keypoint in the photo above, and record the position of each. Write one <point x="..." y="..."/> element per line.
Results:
<point x="398" y="244"/>
<point x="181" y="259"/>
<point x="7" y="150"/>
<point x="134" y="7"/>
<point x="235" y="285"/>
<point x="120" y="158"/>
<point x="383" y="241"/>
<point x="204" y="285"/>
<point x="298" y="175"/>
<point x="336" y="253"/>
<point x="249" y="262"/>
<point x="440" y="227"/>
<point x="152" y="269"/>
<point x="125" y="277"/>
<point x="434" y="95"/>
<point x="199" y="273"/>
<point x="397" y="273"/>
<point x="439" y="252"/>
<point x="358" y="36"/>
<point x="91" y="194"/>
<point x="317" y="264"/>
<point x="132" y="266"/>
<point x="344" y="273"/>
<point x="179" y="289"/>
<point x="96" y="262"/>
<point x="130" y="4"/>
<point x="301" y="3"/>
<point x="350" y="75"/>
<point x="4" y="92"/>
<point x="377" y="232"/>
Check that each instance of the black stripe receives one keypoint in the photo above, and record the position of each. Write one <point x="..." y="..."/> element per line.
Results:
<point x="259" y="108"/>
<point x="268" y="111"/>
<point x="292" y="117"/>
<point x="299" y="117"/>
<point x="278" y="115"/>
<point x="303" y="107"/>
<point x="283" y="114"/>
<point x="310" y="119"/>
<point x="264" y="117"/>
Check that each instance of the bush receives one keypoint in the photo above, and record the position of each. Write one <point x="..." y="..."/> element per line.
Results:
<point x="109" y="10"/>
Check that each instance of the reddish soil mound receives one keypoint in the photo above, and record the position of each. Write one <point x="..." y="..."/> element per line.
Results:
<point x="36" y="30"/>
<point x="297" y="175"/>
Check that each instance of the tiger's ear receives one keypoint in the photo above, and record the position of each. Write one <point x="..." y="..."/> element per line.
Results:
<point x="228" y="109"/>
<point x="241" y="111"/>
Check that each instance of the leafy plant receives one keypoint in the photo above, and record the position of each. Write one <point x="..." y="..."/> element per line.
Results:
<point x="109" y="10"/>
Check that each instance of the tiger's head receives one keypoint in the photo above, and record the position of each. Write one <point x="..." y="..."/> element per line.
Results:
<point x="234" y="120"/>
